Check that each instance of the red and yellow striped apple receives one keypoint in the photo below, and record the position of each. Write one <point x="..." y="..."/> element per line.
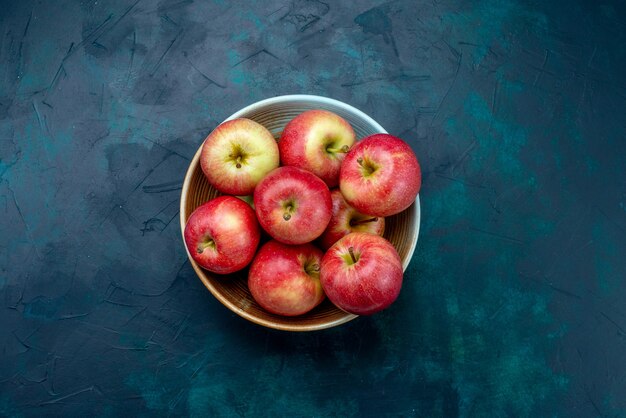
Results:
<point x="237" y="155"/>
<point x="284" y="279"/>
<point x="222" y="235"/>
<point x="345" y="219"/>
<point x="293" y="205"/>
<point x="317" y="141"/>
<point x="380" y="175"/>
<point x="361" y="273"/>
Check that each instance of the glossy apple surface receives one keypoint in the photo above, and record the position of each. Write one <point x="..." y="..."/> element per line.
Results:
<point x="345" y="219"/>
<point x="361" y="273"/>
<point x="317" y="141"/>
<point x="222" y="235"/>
<point x="237" y="155"/>
<point x="284" y="279"/>
<point x="380" y="175"/>
<point x="293" y="205"/>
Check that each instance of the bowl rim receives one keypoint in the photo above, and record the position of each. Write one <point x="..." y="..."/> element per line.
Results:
<point x="185" y="191"/>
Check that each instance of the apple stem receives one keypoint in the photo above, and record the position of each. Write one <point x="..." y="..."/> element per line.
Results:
<point x="287" y="216"/>
<point x="238" y="165"/>
<point x="204" y="245"/>
<point x="343" y="149"/>
<point x="311" y="269"/>
<point x="362" y="221"/>
<point x="368" y="168"/>
<point x="351" y="251"/>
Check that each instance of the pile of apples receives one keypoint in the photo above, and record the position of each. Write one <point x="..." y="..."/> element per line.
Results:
<point x="321" y="196"/>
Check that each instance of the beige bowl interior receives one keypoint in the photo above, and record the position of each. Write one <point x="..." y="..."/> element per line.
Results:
<point x="232" y="290"/>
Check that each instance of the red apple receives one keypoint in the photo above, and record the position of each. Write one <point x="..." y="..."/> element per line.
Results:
<point x="284" y="279"/>
<point x="293" y="205"/>
<point x="380" y="175"/>
<point x="317" y="140"/>
<point x="222" y="235"/>
<point x="237" y="155"/>
<point x="361" y="273"/>
<point x="346" y="219"/>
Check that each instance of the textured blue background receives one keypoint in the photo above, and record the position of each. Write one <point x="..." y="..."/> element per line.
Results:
<point x="513" y="304"/>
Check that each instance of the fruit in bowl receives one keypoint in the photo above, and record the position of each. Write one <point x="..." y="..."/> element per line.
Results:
<point x="380" y="175"/>
<point x="361" y="273"/>
<point x="236" y="290"/>
<point x="293" y="205"/>
<point x="222" y="235"/>
<point x="345" y="219"/>
<point x="317" y="141"/>
<point x="237" y="155"/>
<point x="285" y="279"/>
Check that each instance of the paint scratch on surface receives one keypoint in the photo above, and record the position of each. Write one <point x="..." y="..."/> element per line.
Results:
<point x="449" y="89"/>
<point x="210" y="80"/>
<point x="69" y="395"/>
<point x="160" y="61"/>
<point x="620" y="330"/>
<point x="499" y="236"/>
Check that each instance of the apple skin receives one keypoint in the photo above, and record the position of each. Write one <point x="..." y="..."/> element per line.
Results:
<point x="237" y="155"/>
<point x="284" y="279"/>
<point x="292" y="205"/>
<point x="380" y="175"/>
<point x="222" y="235"/>
<point x="366" y="286"/>
<point x="317" y="141"/>
<point x="345" y="219"/>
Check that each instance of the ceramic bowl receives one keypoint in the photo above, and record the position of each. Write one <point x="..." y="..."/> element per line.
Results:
<point x="232" y="290"/>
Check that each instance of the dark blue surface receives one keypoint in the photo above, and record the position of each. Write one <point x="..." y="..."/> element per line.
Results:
<point x="513" y="304"/>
